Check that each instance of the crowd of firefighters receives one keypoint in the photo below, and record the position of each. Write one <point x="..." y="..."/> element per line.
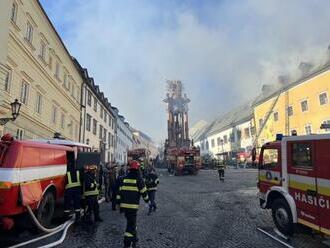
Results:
<point x="122" y="186"/>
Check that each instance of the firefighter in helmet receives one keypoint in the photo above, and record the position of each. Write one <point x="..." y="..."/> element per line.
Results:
<point x="91" y="193"/>
<point x="152" y="181"/>
<point x="131" y="188"/>
<point x="72" y="194"/>
<point x="221" y="169"/>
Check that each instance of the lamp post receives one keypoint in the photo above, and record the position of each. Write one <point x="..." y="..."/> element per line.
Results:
<point x="15" y="109"/>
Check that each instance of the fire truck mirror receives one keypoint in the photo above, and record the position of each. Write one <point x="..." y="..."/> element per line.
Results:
<point x="30" y="193"/>
<point x="87" y="158"/>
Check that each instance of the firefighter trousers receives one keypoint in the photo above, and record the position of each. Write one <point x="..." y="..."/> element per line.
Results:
<point x="130" y="236"/>
<point x="92" y="206"/>
<point x="152" y="196"/>
<point x="72" y="198"/>
<point x="221" y="173"/>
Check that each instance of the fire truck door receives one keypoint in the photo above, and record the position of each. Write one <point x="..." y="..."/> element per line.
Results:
<point x="302" y="181"/>
<point x="323" y="183"/>
<point x="269" y="170"/>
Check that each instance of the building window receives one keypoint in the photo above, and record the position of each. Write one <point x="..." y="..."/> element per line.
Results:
<point x="72" y="91"/>
<point x="218" y="141"/>
<point x="207" y="145"/>
<point x="326" y="122"/>
<point x="94" y="126"/>
<point x="101" y="132"/>
<point x="54" y="114"/>
<point x="24" y="92"/>
<point x="212" y="143"/>
<point x="88" y="122"/>
<point x="225" y="139"/>
<point x="13" y="12"/>
<point x="29" y="32"/>
<point x="323" y="98"/>
<point x="89" y="98"/>
<point x="71" y="128"/>
<point x="7" y="81"/>
<point x="19" y="134"/>
<point x="105" y="116"/>
<point x="43" y="50"/>
<point x="290" y="111"/>
<point x="260" y="122"/>
<point x="57" y="70"/>
<point x="39" y="103"/>
<point x="50" y="63"/>
<point x="304" y="106"/>
<point x="62" y="120"/>
<point x="247" y="133"/>
<point x="65" y="80"/>
<point x="101" y="112"/>
<point x="105" y="135"/>
<point x="95" y="104"/>
<point x="308" y="129"/>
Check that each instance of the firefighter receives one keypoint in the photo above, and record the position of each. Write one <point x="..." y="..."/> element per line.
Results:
<point x="72" y="194"/>
<point x="131" y="188"/>
<point x="152" y="181"/>
<point x="221" y="170"/>
<point x="112" y="185"/>
<point x="91" y="193"/>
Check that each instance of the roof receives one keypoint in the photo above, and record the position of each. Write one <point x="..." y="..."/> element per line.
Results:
<point x="235" y="117"/>
<point x="275" y="89"/>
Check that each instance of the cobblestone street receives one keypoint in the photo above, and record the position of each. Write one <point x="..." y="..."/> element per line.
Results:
<point x="193" y="211"/>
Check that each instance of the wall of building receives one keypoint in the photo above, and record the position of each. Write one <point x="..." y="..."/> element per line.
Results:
<point x="98" y="127"/>
<point x="124" y="141"/>
<point x="41" y="65"/>
<point x="232" y="139"/>
<point x="316" y="114"/>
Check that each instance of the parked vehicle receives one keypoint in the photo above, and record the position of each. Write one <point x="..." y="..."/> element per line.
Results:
<point x="294" y="182"/>
<point x="32" y="174"/>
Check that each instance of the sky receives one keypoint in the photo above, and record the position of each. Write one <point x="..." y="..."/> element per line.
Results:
<point x="222" y="50"/>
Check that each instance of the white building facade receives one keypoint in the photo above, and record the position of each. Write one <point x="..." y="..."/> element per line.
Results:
<point x="228" y="135"/>
<point x="124" y="140"/>
<point x="98" y="122"/>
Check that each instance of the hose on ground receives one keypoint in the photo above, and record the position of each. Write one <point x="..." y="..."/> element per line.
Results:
<point x="39" y="225"/>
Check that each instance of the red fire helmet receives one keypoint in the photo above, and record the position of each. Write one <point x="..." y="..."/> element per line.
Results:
<point x="7" y="137"/>
<point x="134" y="165"/>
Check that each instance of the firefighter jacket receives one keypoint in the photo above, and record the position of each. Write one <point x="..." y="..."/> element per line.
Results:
<point x="220" y="166"/>
<point x="73" y="179"/>
<point x="90" y="184"/>
<point x="131" y="188"/>
<point x="152" y="181"/>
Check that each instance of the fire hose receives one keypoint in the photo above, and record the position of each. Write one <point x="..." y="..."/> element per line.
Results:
<point x="39" y="225"/>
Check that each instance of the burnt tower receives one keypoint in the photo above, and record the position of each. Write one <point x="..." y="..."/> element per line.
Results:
<point x="177" y="123"/>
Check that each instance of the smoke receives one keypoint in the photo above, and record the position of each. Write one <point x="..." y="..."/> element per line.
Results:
<point x="222" y="51"/>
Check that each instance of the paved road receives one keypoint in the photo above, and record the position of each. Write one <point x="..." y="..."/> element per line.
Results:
<point x="194" y="211"/>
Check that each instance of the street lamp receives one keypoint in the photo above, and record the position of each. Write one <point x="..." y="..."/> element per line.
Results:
<point x="15" y="108"/>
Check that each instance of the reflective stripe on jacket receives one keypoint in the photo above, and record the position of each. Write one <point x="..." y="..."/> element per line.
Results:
<point x="131" y="188"/>
<point x="71" y="184"/>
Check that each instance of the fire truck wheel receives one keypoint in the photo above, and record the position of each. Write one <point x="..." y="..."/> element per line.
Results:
<point x="282" y="216"/>
<point x="46" y="209"/>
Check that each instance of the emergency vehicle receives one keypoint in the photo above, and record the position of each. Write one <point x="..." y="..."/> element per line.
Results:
<point x="181" y="160"/>
<point x="33" y="174"/>
<point x="294" y="181"/>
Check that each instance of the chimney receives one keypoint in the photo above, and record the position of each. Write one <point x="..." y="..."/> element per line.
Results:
<point x="305" y="67"/>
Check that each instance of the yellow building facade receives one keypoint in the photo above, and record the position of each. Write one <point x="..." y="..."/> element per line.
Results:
<point x="36" y="69"/>
<point x="302" y="106"/>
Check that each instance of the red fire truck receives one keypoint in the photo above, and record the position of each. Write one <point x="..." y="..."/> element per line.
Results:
<point x="294" y="181"/>
<point x="32" y="174"/>
<point x="181" y="160"/>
